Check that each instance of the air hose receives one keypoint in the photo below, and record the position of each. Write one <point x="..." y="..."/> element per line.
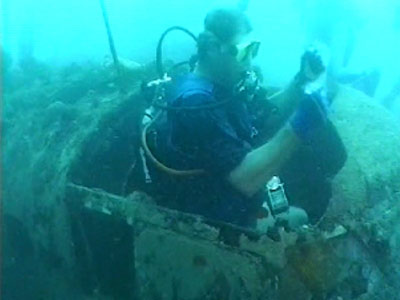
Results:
<point x="163" y="167"/>
<point x="159" y="62"/>
<point x="163" y="107"/>
<point x="158" y="164"/>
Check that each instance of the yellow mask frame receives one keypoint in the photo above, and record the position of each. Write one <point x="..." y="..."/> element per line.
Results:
<point x="247" y="50"/>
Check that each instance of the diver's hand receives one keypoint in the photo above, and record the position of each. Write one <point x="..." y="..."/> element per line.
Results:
<point x="311" y="66"/>
<point x="311" y="114"/>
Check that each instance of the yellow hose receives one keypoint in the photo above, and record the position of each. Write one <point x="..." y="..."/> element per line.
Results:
<point x="160" y="165"/>
<point x="164" y="168"/>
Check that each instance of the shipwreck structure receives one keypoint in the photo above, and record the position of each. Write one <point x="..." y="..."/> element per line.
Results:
<point x="70" y="232"/>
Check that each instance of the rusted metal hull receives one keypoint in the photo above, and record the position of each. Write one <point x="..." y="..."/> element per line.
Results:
<point x="182" y="256"/>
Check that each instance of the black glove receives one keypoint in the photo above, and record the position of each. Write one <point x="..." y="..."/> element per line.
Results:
<point x="311" y="66"/>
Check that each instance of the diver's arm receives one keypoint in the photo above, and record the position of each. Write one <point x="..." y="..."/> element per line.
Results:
<point x="287" y="99"/>
<point x="285" y="102"/>
<point x="259" y="165"/>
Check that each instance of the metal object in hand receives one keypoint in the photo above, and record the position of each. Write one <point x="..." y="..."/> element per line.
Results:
<point x="277" y="200"/>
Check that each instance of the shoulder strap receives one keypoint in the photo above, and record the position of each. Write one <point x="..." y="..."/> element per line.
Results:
<point x="188" y="86"/>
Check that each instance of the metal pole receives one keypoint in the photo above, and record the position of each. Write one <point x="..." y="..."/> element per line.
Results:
<point x="110" y="37"/>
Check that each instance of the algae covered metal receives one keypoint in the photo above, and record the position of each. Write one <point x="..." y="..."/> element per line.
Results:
<point x="350" y="253"/>
<point x="78" y="231"/>
<point x="181" y="256"/>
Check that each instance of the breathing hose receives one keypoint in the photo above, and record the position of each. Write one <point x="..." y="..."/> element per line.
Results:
<point x="158" y="164"/>
<point x="163" y="167"/>
<point x="160" y="67"/>
<point x="163" y="107"/>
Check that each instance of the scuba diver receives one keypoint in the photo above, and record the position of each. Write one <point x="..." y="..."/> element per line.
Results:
<point x="204" y="158"/>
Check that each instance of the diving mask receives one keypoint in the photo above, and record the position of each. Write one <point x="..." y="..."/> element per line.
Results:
<point x="247" y="50"/>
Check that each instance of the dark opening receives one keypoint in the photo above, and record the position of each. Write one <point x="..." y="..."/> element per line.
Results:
<point x="307" y="175"/>
<point x="104" y="249"/>
<point x="104" y="244"/>
<point x="108" y="156"/>
<point x="19" y="269"/>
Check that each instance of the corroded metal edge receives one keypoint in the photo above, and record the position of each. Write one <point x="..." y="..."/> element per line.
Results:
<point x="136" y="212"/>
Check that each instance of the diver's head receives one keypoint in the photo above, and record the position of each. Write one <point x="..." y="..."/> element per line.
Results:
<point x="223" y="53"/>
